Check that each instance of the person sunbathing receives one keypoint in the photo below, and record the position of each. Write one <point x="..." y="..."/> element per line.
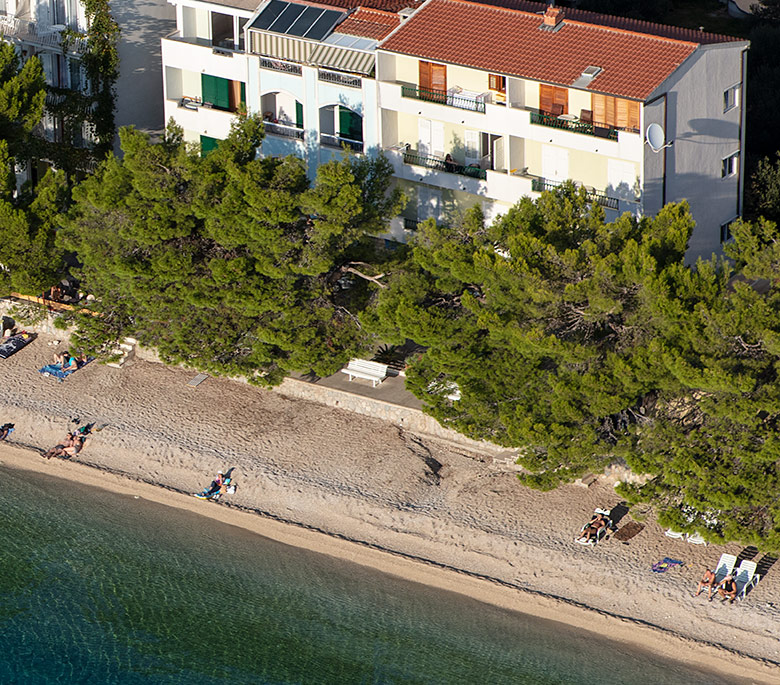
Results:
<point x="70" y="447"/>
<point x="727" y="588"/>
<point x="6" y="430"/>
<point x="708" y="581"/>
<point x="598" y="522"/>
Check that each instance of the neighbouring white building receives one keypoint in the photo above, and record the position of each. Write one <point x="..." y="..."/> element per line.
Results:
<point x="475" y="102"/>
<point x="36" y="28"/>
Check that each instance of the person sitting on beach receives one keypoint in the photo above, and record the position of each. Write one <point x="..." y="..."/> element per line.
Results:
<point x="708" y="581"/>
<point x="6" y="430"/>
<point x="727" y="588"/>
<point x="598" y="522"/>
<point x="61" y="357"/>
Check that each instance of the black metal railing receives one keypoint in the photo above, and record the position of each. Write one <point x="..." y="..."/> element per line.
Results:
<point x="443" y="97"/>
<point x="439" y="164"/>
<point x="340" y="79"/>
<point x="411" y="224"/>
<point x="283" y="130"/>
<point x="578" y="126"/>
<point x="276" y="65"/>
<point x="330" y="140"/>
<point x="540" y="185"/>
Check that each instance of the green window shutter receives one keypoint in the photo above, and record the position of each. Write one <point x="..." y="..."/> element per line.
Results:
<point x="350" y="124"/>
<point x="243" y="94"/>
<point x="216" y="91"/>
<point x="298" y="114"/>
<point x="345" y="122"/>
<point x="207" y="144"/>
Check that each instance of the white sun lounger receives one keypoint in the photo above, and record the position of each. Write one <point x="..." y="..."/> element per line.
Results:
<point x="725" y="566"/>
<point x="674" y="534"/>
<point x="695" y="539"/>
<point x="746" y="577"/>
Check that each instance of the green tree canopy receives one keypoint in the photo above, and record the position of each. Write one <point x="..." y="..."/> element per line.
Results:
<point x="583" y="343"/>
<point x="228" y="263"/>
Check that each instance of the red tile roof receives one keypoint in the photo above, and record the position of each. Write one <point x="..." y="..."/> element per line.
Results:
<point x="510" y="41"/>
<point x="626" y="23"/>
<point x="386" y="5"/>
<point x="369" y="23"/>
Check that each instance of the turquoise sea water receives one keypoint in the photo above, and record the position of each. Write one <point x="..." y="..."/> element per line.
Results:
<point x="103" y="588"/>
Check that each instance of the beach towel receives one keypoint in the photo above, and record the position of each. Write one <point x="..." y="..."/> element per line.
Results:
<point x="15" y="343"/>
<point x="665" y="564"/>
<point x="628" y="531"/>
<point x="55" y="370"/>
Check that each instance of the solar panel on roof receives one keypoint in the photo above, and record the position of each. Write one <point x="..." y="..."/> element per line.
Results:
<point x="305" y="21"/>
<point x="269" y="14"/>
<point x="324" y="24"/>
<point x="287" y="18"/>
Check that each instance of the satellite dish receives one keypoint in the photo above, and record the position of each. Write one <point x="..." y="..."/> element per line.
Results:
<point x="655" y="138"/>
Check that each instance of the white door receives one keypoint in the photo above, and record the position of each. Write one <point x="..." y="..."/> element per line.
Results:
<point x="471" y="140"/>
<point x="498" y="154"/>
<point x="428" y="203"/>
<point x="424" y="136"/>
<point x="555" y="163"/>
<point x="437" y="138"/>
<point x="621" y="178"/>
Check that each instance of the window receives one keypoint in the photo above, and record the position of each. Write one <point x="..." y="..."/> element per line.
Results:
<point x="615" y="112"/>
<point x="222" y="93"/>
<point x="729" y="165"/>
<point x="725" y="231"/>
<point x="497" y="83"/>
<point x="731" y="98"/>
<point x="553" y="100"/>
<point x="433" y="76"/>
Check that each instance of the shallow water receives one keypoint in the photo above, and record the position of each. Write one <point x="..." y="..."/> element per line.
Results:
<point x="103" y="588"/>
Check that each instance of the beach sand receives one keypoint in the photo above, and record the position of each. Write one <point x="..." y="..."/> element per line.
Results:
<point x="367" y="491"/>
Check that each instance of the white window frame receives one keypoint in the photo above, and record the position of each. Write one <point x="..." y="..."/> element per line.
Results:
<point x="731" y="97"/>
<point x="729" y="166"/>
<point x="725" y="232"/>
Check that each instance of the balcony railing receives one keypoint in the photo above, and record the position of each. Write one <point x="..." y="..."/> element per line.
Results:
<point x="23" y="31"/>
<point x="340" y="79"/>
<point x="473" y="104"/>
<point x="330" y="140"/>
<point x="539" y="185"/>
<point x="571" y="123"/>
<point x="276" y="65"/>
<point x="439" y="164"/>
<point x="285" y="130"/>
<point x="411" y="224"/>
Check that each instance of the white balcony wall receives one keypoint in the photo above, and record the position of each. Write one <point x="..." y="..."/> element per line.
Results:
<point x="432" y="177"/>
<point x="332" y="94"/>
<point x="279" y="146"/>
<point x="507" y="188"/>
<point x="202" y="59"/>
<point x="195" y="23"/>
<point x="204" y="121"/>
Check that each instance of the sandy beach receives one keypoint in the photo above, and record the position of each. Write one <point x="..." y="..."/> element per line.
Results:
<point x="365" y="490"/>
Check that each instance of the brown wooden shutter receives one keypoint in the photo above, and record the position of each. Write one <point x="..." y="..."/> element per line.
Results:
<point x="633" y="115"/>
<point x="425" y="75"/>
<point x="561" y="97"/>
<point x="545" y="98"/>
<point x="599" y="107"/>
<point x="439" y="77"/>
<point x="621" y="110"/>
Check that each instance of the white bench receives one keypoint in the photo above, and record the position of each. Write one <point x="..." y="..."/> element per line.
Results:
<point x="371" y="371"/>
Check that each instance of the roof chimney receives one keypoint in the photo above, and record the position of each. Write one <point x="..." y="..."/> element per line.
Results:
<point x="553" y="16"/>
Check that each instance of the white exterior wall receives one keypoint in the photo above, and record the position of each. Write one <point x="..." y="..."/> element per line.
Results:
<point x="703" y="135"/>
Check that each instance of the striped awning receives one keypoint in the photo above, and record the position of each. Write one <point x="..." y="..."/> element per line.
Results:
<point x="335" y="57"/>
<point x="283" y="47"/>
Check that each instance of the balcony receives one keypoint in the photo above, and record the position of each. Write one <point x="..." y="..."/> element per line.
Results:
<point x="568" y="122"/>
<point x="339" y="78"/>
<point x="284" y="130"/>
<point x="451" y="98"/>
<point x="330" y="140"/>
<point x="278" y="65"/>
<point x="540" y="185"/>
<point x="439" y="164"/>
<point x="23" y="31"/>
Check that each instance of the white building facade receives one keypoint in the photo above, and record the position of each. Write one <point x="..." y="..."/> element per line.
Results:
<point x="475" y="103"/>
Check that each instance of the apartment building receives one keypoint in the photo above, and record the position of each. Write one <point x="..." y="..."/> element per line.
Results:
<point x="475" y="102"/>
<point x="36" y="29"/>
<point x="485" y="103"/>
<point x="307" y="68"/>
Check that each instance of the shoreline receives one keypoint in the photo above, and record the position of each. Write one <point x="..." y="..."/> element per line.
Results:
<point x="498" y="592"/>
